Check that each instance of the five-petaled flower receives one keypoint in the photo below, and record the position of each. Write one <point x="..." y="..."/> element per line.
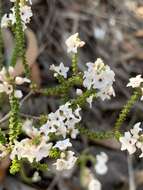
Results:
<point x="73" y="43"/>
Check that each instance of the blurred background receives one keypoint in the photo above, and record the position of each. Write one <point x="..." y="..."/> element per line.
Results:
<point x="113" y="31"/>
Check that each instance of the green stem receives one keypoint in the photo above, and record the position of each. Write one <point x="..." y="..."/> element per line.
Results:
<point x="24" y="177"/>
<point x="92" y="135"/>
<point x="75" y="64"/>
<point x="14" y="120"/>
<point x="20" y="49"/>
<point x="62" y="88"/>
<point x="124" y="113"/>
<point x="81" y="100"/>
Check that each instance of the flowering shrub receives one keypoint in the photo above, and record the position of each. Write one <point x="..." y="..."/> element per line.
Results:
<point x="53" y="136"/>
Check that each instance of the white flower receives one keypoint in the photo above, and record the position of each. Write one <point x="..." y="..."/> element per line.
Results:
<point x="23" y="149"/>
<point x="30" y="130"/>
<point x="5" y="21"/>
<point x="3" y="151"/>
<point x="101" y="169"/>
<point x="90" y="100"/>
<point x="73" y="43"/>
<point x="26" y="149"/>
<point x="61" y="70"/>
<point x="61" y="164"/>
<point x="101" y="163"/>
<point x="135" y="82"/>
<point x="43" y="149"/>
<point x="128" y="142"/>
<point x="71" y="159"/>
<point x="56" y="120"/>
<point x="47" y="128"/>
<point x="36" y="177"/>
<point x="133" y="140"/>
<point x="100" y="77"/>
<point x="7" y="79"/>
<point x="102" y="157"/>
<point x="136" y="129"/>
<point x="106" y="93"/>
<point x="20" y="80"/>
<point x="26" y="13"/>
<point x="72" y="131"/>
<point x="79" y="91"/>
<point x="7" y="88"/>
<point x="12" y="17"/>
<point x="63" y="145"/>
<point x="5" y="72"/>
<point x="66" y="162"/>
<point x="94" y="185"/>
<point x="62" y="122"/>
<point x="18" y="94"/>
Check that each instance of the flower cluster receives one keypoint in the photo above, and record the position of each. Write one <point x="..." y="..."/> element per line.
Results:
<point x="132" y="140"/>
<point x="35" y="147"/>
<point x="63" y="122"/>
<point x="25" y="14"/>
<point x="136" y="82"/>
<point x="54" y="138"/>
<point x="66" y="161"/>
<point x="8" y="80"/>
<point x="99" y="77"/>
<point x="38" y="144"/>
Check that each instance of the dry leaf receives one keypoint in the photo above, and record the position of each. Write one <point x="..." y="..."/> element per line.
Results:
<point x="139" y="12"/>
<point x="32" y="52"/>
<point x="139" y="33"/>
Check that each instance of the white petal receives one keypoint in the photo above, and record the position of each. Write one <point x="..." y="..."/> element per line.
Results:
<point x="18" y="94"/>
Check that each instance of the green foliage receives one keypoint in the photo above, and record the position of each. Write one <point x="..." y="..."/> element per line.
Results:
<point x="39" y="166"/>
<point x="84" y="157"/>
<point x="54" y="153"/>
<point x="15" y="167"/>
